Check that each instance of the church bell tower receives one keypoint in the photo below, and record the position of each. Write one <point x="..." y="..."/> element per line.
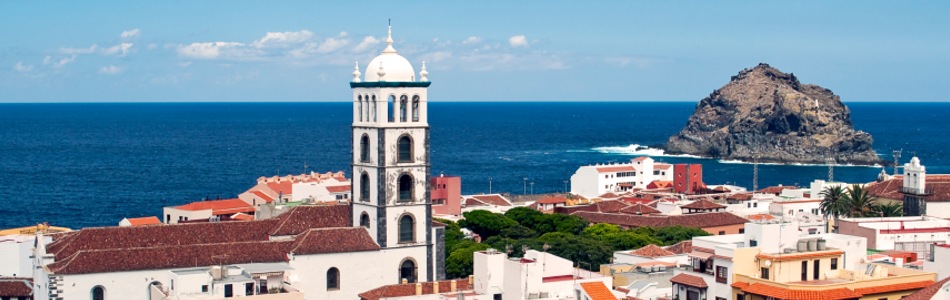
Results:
<point x="390" y="162"/>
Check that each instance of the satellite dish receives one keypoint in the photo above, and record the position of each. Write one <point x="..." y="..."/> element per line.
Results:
<point x="768" y="263"/>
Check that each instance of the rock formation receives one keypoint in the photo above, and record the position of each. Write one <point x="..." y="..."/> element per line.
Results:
<point x="767" y="114"/>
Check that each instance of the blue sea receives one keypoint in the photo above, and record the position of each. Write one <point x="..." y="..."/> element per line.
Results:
<point x="80" y="165"/>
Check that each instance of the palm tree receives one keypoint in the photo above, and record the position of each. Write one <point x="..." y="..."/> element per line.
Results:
<point x="859" y="202"/>
<point x="892" y="209"/>
<point x="833" y="203"/>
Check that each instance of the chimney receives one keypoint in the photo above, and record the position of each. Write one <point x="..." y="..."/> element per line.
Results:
<point x="471" y="280"/>
<point x="435" y="287"/>
<point x="418" y="288"/>
<point x="453" y="286"/>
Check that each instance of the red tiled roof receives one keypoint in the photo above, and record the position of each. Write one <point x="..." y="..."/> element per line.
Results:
<point x="681" y="247"/>
<point x="640" y="158"/>
<point x="153" y="220"/>
<point x="759" y="217"/>
<point x="878" y="289"/>
<point x="721" y="189"/>
<point x="597" y="291"/>
<point x="242" y="217"/>
<point x="783" y="293"/>
<point x="557" y="278"/>
<point x="552" y="200"/>
<point x="657" y="184"/>
<point x="303" y="218"/>
<point x="927" y="292"/>
<point x="493" y="199"/>
<point x="740" y="197"/>
<point x="776" y="190"/>
<point x="338" y="189"/>
<point x="651" y="250"/>
<point x="690" y="280"/>
<point x="614" y="169"/>
<point x="608" y="195"/>
<point x="703" y="204"/>
<point x="263" y="196"/>
<point x="635" y="200"/>
<point x="938" y="184"/>
<point x="409" y="289"/>
<point x="639" y="209"/>
<point x="219" y="207"/>
<point x="701" y="220"/>
<point x="334" y="240"/>
<point x="662" y="166"/>
<point x="284" y="187"/>
<point x="16" y="287"/>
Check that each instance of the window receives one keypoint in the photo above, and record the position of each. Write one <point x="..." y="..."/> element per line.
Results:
<point x="249" y="288"/>
<point x="407" y="271"/>
<point x="755" y="204"/>
<point x="817" y="269"/>
<point x="372" y="109"/>
<point x="403" y="106"/>
<point x="364" y="187"/>
<point x="364" y="220"/>
<point x="204" y="288"/>
<point x="391" y="109"/>
<point x="721" y="274"/>
<point x="228" y="290"/>
<point x="333" y="279"/>
<point x="364" y="148"/>
<point x="834" y="263"/>
<point x="765" y="273"/>
<point x="722" y="232"/>
<point x="720" y="298"/>
<point x="360" y="110"/>
<point x="753" y="243"/>
<point x="804" y="270"/>
<point x="98" y="293"/>
<point x="415" y="108"/>
<point x="406" y="229"/>
<point x="741" y="230"/>
<point x="405" y="149"/>
<point x="740" y="297"/>
<point x="405" y="188"/>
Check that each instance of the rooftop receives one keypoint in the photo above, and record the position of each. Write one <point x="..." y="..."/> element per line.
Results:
<point x="219" y="207"/>
<point x="409" y="289"/>
<point x="597" y="291"/>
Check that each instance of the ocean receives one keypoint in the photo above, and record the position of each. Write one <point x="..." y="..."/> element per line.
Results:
<point x="80" y="165"/>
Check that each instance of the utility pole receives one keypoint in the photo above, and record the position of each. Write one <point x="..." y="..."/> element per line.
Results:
<point x="489" y="185"/>
<point x="524" y="183"/>
<point x="532" y="187"/>
<point x="897" y="157"/>
<point x="565" y="187"/>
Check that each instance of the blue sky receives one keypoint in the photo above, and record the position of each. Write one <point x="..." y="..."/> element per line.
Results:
<point x="98" y="51"/>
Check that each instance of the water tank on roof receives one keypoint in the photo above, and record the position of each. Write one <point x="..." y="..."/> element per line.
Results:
<point x="802" y="246"/>
<point x="821" y="245"/>
<point x="812" y="245"/>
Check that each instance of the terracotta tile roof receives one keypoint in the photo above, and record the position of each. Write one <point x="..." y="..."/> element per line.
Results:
<point x="263" y="196"/>
<point x="493" y="199"/>
<point x="338" y="189"/>
<point x="610" y="206"/>
<point x="409" y="289"/>
<point x="334" y="240"/>
<point x="690" y="280"/>
<point x="651" y="250"/>
<point x="242" y="217"/>
<point x="783" y="293"/>
<point x="657" y="184"/>
<point x="760" y="217"/>
<point x="740" y="197"/>
<point x="219" y="207"/>
<point x="552" y="200"/>
<point x="938" y="183"/>
<point x="16" y="287"/>
<point x="153" y="220"/>
<point x="640" y="158"/>
<point x="608" y="195"/>
<point x="927" y="292"/>
<point x="303" y="218"/>
<point x="893" y="287"/>
<point x="614" y="169"/>
<point x="798" y="256"/>
<point x="167" y="257"/>
<point x="597" y="291"/>
<point x="639" y="209"/>
<point x="701" y="220"/>
<point x="635" y="200"/>
<point x="662" y="166"/>
<point x="703" y="249"/>
<point x="721" y="189"/>
<point x="681" y="247"/>
<point x="776" y="190"/>
<point x="284" y="187"/>
<point x="703" y="204"/>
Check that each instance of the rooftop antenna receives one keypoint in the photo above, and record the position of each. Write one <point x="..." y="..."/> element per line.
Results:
<point x="897" y="157"/>
<point x="305" y="166"/>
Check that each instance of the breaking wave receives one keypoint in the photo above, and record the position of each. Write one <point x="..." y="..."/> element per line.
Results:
<point x="639" y="150"/>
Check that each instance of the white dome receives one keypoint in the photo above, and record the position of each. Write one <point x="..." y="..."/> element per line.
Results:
<point x="389" y="66"/>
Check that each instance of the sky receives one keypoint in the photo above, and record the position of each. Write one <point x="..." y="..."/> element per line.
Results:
<point x="267" y="51"/>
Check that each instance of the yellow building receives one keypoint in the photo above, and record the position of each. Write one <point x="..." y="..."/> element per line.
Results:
<point x="31" y="230"/>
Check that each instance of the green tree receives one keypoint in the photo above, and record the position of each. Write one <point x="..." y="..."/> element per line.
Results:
<point x="459" y="263"/>
<point x="600" y="230"/>
<point x="860" y="202"/>
<point x="525" y="216"/>
<point x="485" y="223"/>
<point x="518" y="232"/>
<point x="833" y="202"/>
<point x="453" y="235"/>
<point x="674" y="234"/>
<point x="891" y="209"/>
<point x="588" y="253"/>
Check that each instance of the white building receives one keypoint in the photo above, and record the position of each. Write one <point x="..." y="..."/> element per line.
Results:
<point x="592" y="181"/>
<point x="309" y="188"/>
<point x="206" y="210"/>
<point x="913" y="234"/>
<point x="938" y="259"/>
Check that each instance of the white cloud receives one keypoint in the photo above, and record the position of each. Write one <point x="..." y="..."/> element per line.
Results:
<point x="518" y="41"/>
<point x="472" y="40"/>
<point x="205" y="50"/>
<point x="276" y="39"/>
<point x="120" y="49"/>
<point x="152" y="46"/>
<point x="68" y="50"/>
<point x="367" y="43"/>
<point x="110" y="70"/>
<point x="20" y="67"/>
<point x="437" y="56"/>
<point x="58" y="62"/>
<point x="129" y="34"/>
<point x="332" y="44"/>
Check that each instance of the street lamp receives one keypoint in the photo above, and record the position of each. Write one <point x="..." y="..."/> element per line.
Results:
<point x="525" y="186"/>
<point x="565" y="186"/>
<point x="532" y="187"/>
<point x="489" y="185"/>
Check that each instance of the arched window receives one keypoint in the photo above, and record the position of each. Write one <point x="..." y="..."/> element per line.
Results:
<point x="391" y="110"/>
<point x="415" y="108"/>
<point x="406" y="229"/>
<point x="407" y="271"/>
<point x="403" y="106"/>
<point x="360" y="109"/>
<point x="405" y="188"/>
<point x="364" y="148"/>
<point x="364" y="187"/>
<point x="98" y="293"/>
<point x="364" y="220"/>
<point x="333" y="279"/>
<point x="372" y="109"/>
<point x="405" y="149"/>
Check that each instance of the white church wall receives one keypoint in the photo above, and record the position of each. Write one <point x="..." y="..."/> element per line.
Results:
<point x="118" y="285"/>
<point x="359" y="271"/>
